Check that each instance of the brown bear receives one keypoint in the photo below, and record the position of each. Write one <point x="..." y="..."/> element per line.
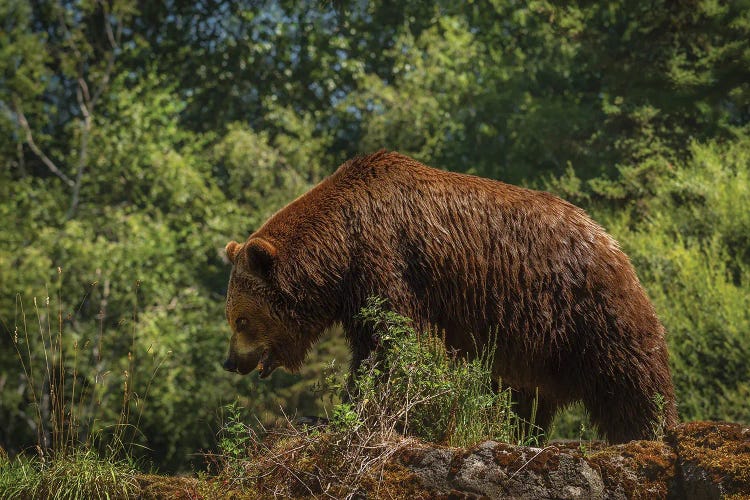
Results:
<point x="472" y="257"/>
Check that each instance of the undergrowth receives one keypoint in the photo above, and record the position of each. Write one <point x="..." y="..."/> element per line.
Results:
<point x="410" y="389"/>
<point x="81" y="451"/>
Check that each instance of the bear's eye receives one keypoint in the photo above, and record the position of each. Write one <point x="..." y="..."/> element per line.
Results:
<point x="241" y="323"/>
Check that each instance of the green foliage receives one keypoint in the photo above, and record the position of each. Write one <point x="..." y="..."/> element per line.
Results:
<point x="255" y="174"/>
<point x="419" y="112"/>
<point x="235" y="437"/>
<point x="412" y="383"/>
<point x="705" y="310"/>
<point x="344" y="417"/>
<point x="22" y="61"/>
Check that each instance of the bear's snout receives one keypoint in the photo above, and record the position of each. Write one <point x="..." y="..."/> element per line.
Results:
<point x="229" y="365"/>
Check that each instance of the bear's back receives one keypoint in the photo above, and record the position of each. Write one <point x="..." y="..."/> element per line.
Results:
<point x="389" y="180"/>
<point x="390" y="170"/>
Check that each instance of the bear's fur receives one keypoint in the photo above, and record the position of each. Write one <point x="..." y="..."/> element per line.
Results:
<point x="468" y="256"/>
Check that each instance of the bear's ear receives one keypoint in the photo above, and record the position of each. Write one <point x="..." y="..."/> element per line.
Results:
<point x="232" y="249"/>
<point x="261" y="257"/>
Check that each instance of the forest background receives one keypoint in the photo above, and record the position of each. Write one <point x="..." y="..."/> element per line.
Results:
<point x="138" y="137"/>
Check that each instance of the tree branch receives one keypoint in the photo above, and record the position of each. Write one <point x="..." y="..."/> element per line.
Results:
<point x="87" y="102"/>
<point x="82" y="95"/>
<point x="36" y="149"/>
<point x="114" y="42"/>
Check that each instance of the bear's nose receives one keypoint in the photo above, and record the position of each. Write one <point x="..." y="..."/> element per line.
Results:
<point x="229" y="365"/>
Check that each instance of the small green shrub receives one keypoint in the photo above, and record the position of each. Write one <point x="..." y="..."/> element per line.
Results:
<point x="344" y="417"/>
<point x="234" y="438"/>
<point x="414" y="385"/>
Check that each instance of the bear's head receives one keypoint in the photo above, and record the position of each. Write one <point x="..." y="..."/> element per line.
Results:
<point x="264" y="333"/>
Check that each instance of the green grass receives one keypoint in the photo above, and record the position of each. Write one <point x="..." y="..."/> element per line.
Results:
<point x="81" y="474"/>
<point x="80" y="451"/>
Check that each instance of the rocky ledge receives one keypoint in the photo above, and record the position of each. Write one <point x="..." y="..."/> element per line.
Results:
<point x="697" y="460"/>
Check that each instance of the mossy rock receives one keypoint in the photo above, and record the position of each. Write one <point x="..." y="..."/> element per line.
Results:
<point x="713" y="458"/>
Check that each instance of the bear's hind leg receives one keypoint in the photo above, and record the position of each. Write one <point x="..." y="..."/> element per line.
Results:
<point x="631" y="410"/>
<point x="620" y="421"/>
